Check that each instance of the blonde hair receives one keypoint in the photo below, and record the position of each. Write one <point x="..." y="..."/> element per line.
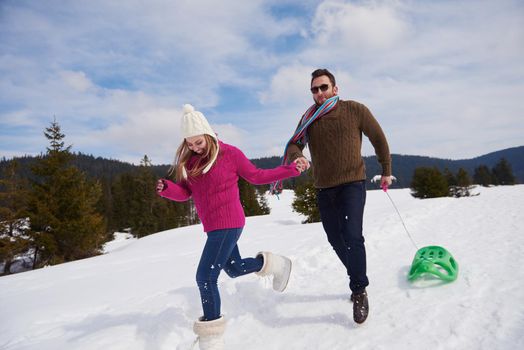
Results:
<point x="184" y="154"/>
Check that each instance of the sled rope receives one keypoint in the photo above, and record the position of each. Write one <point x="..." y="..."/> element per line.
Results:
<point x="300" y="135"/>
<point x="385" y="188"/>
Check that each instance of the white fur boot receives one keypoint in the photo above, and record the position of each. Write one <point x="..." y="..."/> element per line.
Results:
<point x="210" y="333"/>
<point x="278" y="266"/>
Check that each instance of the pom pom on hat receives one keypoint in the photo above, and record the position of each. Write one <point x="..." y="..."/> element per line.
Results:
<point x="194" y="123"/>
<point x="188" y="108"/>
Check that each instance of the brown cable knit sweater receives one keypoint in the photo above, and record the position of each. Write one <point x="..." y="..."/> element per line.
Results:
<point x="335" y="142"/>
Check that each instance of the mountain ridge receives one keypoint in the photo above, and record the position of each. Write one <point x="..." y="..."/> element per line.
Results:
<point x="403" y="165"/>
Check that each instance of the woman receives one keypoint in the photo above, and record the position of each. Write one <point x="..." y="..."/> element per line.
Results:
<point x="207" y="170"/>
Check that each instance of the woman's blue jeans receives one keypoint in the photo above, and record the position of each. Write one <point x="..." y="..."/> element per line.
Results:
<point x="341" y="211"/>
<point x="221" y="252"/>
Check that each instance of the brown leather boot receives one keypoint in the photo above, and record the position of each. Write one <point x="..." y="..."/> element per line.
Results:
<point x="360" y="306"/>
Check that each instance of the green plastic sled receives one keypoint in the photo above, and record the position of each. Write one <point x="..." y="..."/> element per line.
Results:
<point x="434" y="260"/>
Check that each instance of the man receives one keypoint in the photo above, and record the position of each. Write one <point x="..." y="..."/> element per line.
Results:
<point x="334" y="135"/>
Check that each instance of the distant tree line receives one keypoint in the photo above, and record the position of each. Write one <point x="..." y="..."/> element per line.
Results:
<point x="427" y="182"/>
<point x="404" y="165"/>
<point x="55" y="213"/>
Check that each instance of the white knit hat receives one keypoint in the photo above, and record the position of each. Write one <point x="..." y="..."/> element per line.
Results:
<point x="193" y="124"/>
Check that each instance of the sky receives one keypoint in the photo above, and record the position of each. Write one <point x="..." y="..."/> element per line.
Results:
<point x="444" y="78"/>
<point x="142" y="294"/>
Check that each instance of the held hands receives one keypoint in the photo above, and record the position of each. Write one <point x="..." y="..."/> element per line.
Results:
<point x="160" y="185"/>
<point x="302" y="164"/>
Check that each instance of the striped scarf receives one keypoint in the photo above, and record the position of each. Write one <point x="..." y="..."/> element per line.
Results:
<point x="300" y="135"/>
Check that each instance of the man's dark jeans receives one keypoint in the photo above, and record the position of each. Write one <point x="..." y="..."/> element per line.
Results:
<point x="342" y="210"/>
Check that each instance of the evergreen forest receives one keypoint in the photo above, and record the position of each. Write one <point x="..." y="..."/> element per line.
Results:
<point x="63" y="206"/>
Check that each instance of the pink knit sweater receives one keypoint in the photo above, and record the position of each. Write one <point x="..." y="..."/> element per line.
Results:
<point x="216" y="195"/>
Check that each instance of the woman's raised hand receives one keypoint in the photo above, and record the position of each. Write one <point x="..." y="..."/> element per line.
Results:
<point x="160" y="185"/>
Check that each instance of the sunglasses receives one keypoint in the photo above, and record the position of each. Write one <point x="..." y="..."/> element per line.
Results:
<point x="323" y="88"/>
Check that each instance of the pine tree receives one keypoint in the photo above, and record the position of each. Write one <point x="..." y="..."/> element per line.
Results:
<point x="482" y="176"/>
<point x="144" y="220"/>
<point x="463" y="186"/>
<point x="450" y="178"/>
<point x="137" y="207"/>
<point x="64" y="222"/>
<point x="502" y="173"/>
<point x="14" y="239"/>
<point x="105" y="204"/>
<point x="262" y="191"/>
<point x="305" y="202"/>
<point x="121" y="193"/>
<point x="428" y="183"/>
<point x="249" y="199"/>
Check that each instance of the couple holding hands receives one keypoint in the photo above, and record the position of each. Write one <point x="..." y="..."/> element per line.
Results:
<point x="207" y="170"/>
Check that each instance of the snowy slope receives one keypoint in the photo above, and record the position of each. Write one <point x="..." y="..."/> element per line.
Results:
<point x="142" y="294"/>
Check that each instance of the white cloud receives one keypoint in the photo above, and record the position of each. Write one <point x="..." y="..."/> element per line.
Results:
<point x="76" y="80"/>
<point x="364" y="27"/>
<point x="116" y="74"/>
<point x="288" y="84"/>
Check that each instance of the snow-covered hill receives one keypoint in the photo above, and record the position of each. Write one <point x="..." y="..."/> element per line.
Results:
<point x="142" y="294"/>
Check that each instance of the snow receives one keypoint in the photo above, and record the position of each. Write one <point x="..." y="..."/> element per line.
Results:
<point x="142" y="295"/>
<point x="120" y="240"/>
